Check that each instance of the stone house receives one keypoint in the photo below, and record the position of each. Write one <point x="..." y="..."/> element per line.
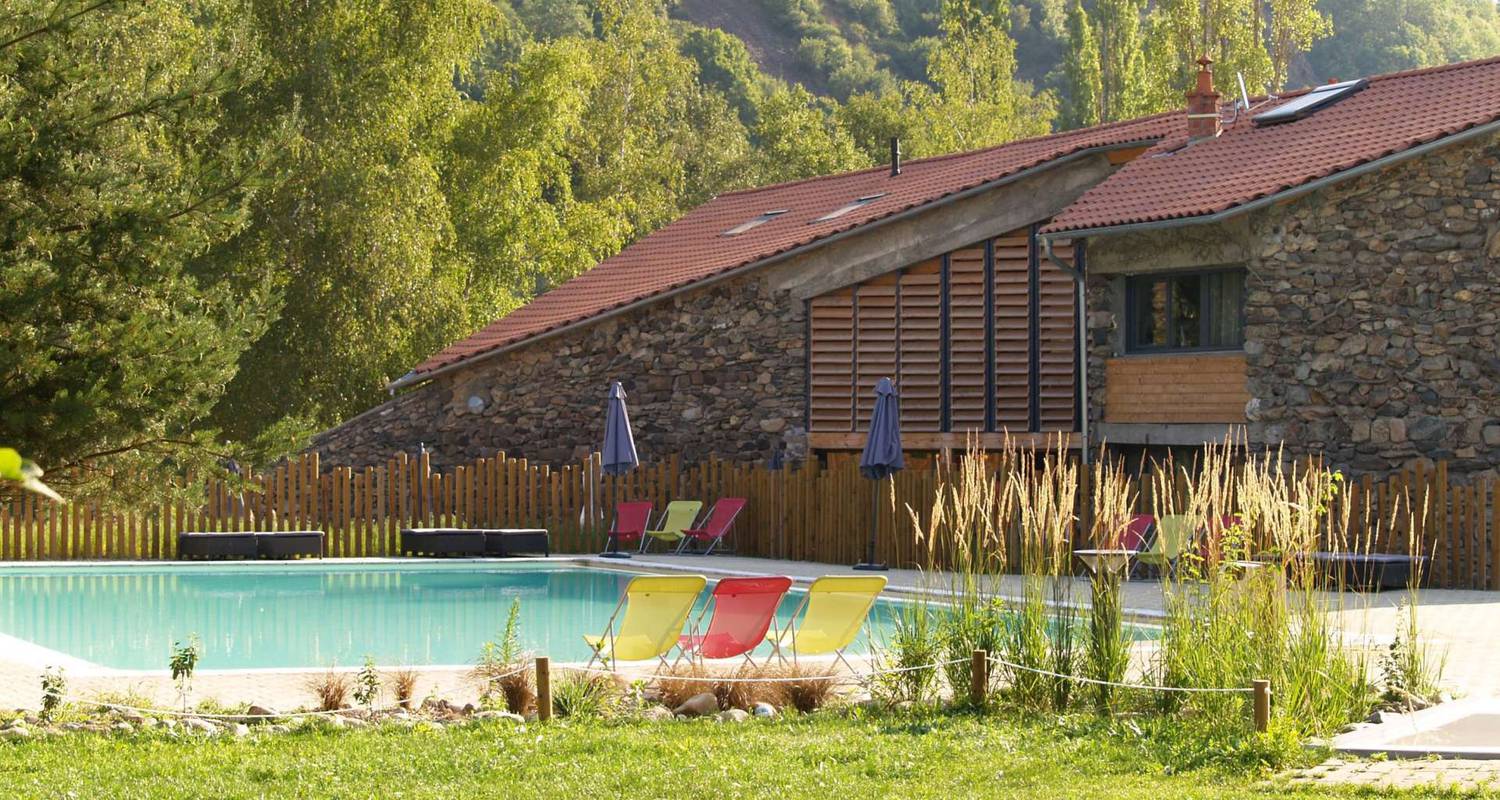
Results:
<point x="1325" y="281"/>
<point x="1321" y="269"/>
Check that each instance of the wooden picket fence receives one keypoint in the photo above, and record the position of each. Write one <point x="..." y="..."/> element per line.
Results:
<point x="812" y="512"/>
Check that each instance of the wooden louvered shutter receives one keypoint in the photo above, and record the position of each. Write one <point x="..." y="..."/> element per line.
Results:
<point x="875" y="340"/>
<point x="832" y="361"/>
<point x="1012" y="334"/>
<point x="921" y="380"/>
<point x="966" y="347"/>
<point x="1057" y="329"/>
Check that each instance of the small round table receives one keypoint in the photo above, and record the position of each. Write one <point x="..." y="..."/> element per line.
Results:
<point x="1107" y="561"/>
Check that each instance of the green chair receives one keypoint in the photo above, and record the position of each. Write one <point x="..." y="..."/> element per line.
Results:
<point x="679" y="516"/>
<point x="1174" y="535"/>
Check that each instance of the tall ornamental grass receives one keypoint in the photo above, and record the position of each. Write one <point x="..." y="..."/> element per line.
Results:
<point x="1244" y="601"/>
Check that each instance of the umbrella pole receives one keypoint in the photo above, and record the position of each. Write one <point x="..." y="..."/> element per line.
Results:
<point x="869" y="564"/>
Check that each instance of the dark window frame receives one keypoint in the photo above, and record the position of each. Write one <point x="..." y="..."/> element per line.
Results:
<point x="1206" y="319"/>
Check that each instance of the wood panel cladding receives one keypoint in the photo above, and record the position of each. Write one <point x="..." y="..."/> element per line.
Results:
<point x="967" y="370"/>
<point x="980" y="339"/>
<point x="831" y="361"/>
<point x="1012" y="327"/>
<point x="1179" y="389"/>
<point x="1057" y="332"/>
<point x="921" y="347"/>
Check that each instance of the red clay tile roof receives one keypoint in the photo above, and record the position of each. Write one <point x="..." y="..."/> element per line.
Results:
<point x="1394" y="113"/>
<point x="692" y="248"/>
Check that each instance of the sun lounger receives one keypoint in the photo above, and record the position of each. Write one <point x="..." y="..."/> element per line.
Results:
<point x="718" y="525"/>
<point x="679" y="516"/>
<point x="833" y="611"/>
<point x="630" y="524"/>
<point x="442" y="541"/>
<point x="216" y="545"/>
<point x="744" y="609"/>
<point x="656" y="609"/>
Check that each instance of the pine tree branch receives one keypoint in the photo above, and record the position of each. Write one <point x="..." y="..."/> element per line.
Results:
<point x="57" y="24"/>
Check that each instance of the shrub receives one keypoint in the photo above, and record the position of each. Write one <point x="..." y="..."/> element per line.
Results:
<point x="404" y="687"/>
<point x="804" y="687"/>
<point x="501" y="669"/>
<point x="54" y="686"/>
<point x="580" y="694"/>
<point x="1408" y="672"/>
<point x="182" y="664"/>
<point x="330" y="690"/>
<point x="367" y="684"/>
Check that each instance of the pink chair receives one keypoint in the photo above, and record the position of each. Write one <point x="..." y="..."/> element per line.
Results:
<point x="744" y="610"/>
<point x="718" y="525"/>
<point x="630" y="524"/>
<point x="1137" y="532"/>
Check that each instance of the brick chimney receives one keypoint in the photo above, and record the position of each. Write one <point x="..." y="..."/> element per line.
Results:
<point x="1203" y="104"/>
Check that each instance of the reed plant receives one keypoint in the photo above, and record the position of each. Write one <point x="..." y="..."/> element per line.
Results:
<point x="905" y="657"/>
<point x="1106" y="650"/>
<point x="1229" y="621"/>
<point x="963" y="535"/>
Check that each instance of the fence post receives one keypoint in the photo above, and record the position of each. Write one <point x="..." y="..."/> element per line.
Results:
<point x="979" y="678"/>
<point x="1262" y="692"/>
<point x="543" y="688"/>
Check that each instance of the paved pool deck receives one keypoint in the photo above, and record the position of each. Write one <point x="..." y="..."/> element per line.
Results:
<point x="1458" y="624"/>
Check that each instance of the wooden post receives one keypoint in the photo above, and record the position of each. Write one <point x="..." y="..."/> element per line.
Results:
<point x="543" y="688"/>
<point x="979" y="678"/>
<point x="1262" y="690"/>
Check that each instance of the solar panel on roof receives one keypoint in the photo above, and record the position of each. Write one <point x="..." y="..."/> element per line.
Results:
<point x="1320" y="97"/>
<point x="754" y="221"/>
<point x="844" y="209"/>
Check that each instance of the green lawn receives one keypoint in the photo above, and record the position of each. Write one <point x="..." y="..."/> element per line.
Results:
<point x="940" y="756"/>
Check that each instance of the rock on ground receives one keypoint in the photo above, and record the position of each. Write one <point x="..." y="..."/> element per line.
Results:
<point x="699" y="705"/>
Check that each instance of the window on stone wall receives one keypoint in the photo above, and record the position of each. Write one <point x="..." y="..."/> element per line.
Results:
<point x="1201" y="310"/>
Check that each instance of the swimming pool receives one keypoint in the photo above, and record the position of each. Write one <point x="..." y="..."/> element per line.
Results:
<point x="316" y="614"/>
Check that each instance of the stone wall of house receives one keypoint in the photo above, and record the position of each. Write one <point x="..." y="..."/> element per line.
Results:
<point x="1372" y="314"/>
<point x="715" y="372"/>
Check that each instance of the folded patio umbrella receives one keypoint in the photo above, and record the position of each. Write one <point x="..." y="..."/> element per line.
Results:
<point x="882" y="455"/>
<point x="618" y="455"/>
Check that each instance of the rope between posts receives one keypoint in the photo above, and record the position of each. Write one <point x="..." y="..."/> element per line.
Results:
<point x="1147" y="687"/>
<point x="167" y="712"/>
<point x="854" y="677"/>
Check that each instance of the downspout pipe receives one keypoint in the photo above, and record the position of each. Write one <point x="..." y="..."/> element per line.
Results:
<point x="1083" y="365"/>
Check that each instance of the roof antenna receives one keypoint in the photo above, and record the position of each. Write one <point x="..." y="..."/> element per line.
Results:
<point x="1244" y="95"/>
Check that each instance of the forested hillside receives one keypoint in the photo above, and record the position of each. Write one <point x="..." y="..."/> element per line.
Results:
<point x="225" y="224"/>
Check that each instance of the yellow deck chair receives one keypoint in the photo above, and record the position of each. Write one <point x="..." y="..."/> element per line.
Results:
<point x="679" y="516"/>
<point x="656" y="609"/>
<point x="836" y="607"/>
<point x="1174" y="535"/>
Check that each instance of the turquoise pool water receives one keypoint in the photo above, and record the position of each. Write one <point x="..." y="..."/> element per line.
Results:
<point x="314" y="615"/>
<point x="271" y="616"/>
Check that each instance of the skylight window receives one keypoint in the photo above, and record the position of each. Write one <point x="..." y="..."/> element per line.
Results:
<point x="751" y="223"/>
<point x="1305" y="105"/>
<point x="842" y="210"/>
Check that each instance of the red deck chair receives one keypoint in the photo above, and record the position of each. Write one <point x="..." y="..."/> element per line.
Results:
<point x="1137" y="532"/>
<point x="1135" y="536"/>
<point x="631" y="520"/>
<point x="744" y="610"/>
<point x="720" y="521"/>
